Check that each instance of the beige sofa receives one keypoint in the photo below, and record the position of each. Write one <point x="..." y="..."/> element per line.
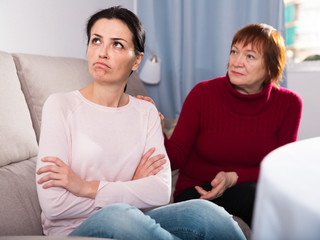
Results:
<point x="25" y="83"/>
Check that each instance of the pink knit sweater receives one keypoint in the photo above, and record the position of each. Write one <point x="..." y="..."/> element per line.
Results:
<point x="104" y="144"/>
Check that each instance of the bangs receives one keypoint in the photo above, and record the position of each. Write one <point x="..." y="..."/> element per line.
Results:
<point x="255" y="37"/>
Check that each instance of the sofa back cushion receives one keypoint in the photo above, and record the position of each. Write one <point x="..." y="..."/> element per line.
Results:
<point x="17" y="138"/>
<point x="41" y="76"/>
<point x="135" y="86"/>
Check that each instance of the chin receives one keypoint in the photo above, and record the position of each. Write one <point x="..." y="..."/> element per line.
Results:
<point x="234" y="80"/>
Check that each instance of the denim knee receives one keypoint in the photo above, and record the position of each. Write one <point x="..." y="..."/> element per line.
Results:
<point x="205" y="206"/>
<point x="121" y="221"/>
<point x="203" y="209"/>
<point x="216" y="223"/>
<point x="116" y="210"/>
<point x="117" y="215"/>
<point x="108" y="222"/>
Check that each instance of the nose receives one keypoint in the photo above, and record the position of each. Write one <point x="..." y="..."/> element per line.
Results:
<point x="104" y="52"/>
<point x="238" y="60"/>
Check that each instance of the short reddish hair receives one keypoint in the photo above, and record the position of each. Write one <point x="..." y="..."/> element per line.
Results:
<point x="269" y="43"/>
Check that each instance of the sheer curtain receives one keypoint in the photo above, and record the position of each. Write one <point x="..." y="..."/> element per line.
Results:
<point x="192" y="39"/>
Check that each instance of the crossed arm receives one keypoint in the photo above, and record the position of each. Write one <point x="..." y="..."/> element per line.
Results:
<point x="60" y="174"/>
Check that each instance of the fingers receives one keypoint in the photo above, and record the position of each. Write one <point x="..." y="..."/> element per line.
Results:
<point x="210" y="195"/>
<point x="162" y="120"/>
<point x="52" y="167"/>
<point x="220" y="183"/>
<point x="200" y="190"/>
<point x="147" y="155"/>
<point x="215" y="183"/>
<point x="49" y="177"/>
<point x="54" y="171"/>
<point x="48" y="168"/>
<point x="219" y="179"/>
<point x="149" y="165"/>
<point x="218" y="187"/>
<point x="146" y="99"/>
<point x="214" y="193"/>
<point x="156" y="167"/>
<point x="154" y="161"/>
<point x="54" y="160"/>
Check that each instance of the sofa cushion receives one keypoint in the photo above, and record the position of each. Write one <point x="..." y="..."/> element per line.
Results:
<point x="135" y="86"/>
<point x="17" y="138"/>
<point x="19" y="205"/>
<point x="41" y="76"/>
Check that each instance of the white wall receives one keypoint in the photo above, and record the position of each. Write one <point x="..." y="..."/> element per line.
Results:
<point x="304" y="78"/>
<point x="49" y="27"/>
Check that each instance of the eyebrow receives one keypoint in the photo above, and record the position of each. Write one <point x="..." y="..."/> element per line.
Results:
<point x="95" y="34"/>
<point x="252" y="51"/>
<point x="114" y="39"/>
<point x="117" y="39"/>
<point x="248" y="50"/>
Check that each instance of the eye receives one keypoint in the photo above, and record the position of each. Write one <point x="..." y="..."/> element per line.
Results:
<point x="117" y="44"/>
<point x="233" y="51"/>
<point x="251" y="56"/>
<point x="95" y="41"/>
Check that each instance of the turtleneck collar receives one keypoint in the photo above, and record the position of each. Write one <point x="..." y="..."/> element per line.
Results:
<point x="248" y="104"/>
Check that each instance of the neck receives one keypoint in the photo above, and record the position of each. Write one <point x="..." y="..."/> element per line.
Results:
<point x="248" y="91"/>
<point x="108" y="96"/>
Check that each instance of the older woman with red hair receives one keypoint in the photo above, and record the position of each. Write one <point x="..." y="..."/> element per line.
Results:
<point x="229" y="124"/>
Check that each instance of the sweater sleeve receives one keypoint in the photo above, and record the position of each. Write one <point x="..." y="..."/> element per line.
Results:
<point x="57" y="202"/>
<point x="184" y="135"/>
<point x="146" y="192"/>
<point x="288" y="131"/>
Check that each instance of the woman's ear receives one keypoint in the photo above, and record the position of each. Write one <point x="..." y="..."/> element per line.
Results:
<point x="137" y="62"/>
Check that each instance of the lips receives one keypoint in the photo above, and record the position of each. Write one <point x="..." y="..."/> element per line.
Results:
<point x="237" y="73"/>
<point x="101" y="65"/>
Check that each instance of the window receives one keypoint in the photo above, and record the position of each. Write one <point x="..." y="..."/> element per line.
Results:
<point x="302" y="21"/>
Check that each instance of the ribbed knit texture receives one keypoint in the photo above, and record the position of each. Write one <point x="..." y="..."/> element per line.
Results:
<point x="220" y="129"/>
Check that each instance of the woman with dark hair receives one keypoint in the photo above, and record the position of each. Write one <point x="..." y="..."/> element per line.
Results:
<point x="101" y="153"/>
<point x="229" y="124"/>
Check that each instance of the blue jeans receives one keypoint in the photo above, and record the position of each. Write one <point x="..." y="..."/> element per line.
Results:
<point x="193" y="219"/>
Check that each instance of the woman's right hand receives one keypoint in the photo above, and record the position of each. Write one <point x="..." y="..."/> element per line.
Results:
<point x="148" y="165"/>
<point x="60" y="174"/>
<point x="149" y="99"/>
<point x="220" y="183"/>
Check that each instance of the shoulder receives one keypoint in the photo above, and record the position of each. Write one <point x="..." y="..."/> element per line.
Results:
<point x="60" y="97"/>
<point x="207" y="87"/>
<point x="62" y="102"/>
<point x="146" y="111"/>
<point x="211" y="83"/>
<point x="289" y="96"/>
<point x="142" y="105"/>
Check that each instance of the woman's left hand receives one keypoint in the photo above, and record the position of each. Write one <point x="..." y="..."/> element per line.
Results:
<point x="220" y="183"/>
<point x="148" y="165"/>
<point x="61" y="175"/>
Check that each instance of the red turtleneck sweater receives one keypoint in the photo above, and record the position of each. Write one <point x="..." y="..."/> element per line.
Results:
<point x="220" y="129"/>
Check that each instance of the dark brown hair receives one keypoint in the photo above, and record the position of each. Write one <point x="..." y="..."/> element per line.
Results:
<point x="126" y="16"/>
<point x="269" y="43"/>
